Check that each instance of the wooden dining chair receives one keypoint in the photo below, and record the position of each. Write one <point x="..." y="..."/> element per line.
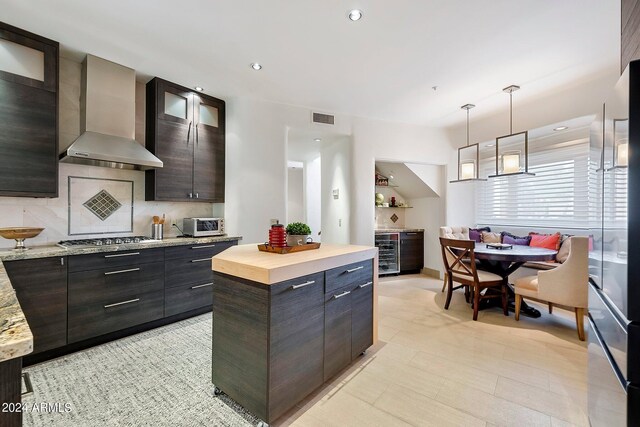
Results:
<point x="453" y="253"/>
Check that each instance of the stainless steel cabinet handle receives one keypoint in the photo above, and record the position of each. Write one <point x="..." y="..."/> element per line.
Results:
<point x="121" y="271"/>
<point x="122" y="303"/>
<point x="341" y="295"/>
<point x="61" y="261"/>
<point x="365" y="285"/>
<point x="411" y="234"/>
<point x="203" y="247"/>
<point x="119" y="255"/>
<point x="202" y="286"/>
<point x="302" y="285"/>
<point x="355" y="269"/>
<point x="191" y="195"/>
<point x="201" y="260"/>
<point x="197" y="134"/>
<point x="197" y="196"/>
<point x="189" y="133"/>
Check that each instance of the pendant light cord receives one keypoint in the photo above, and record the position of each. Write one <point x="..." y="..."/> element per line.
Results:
<point x="511" y="113"/>
<point x="467" y="127"/>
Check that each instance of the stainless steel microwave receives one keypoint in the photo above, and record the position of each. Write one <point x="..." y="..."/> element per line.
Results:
<point x="198" y="227"/>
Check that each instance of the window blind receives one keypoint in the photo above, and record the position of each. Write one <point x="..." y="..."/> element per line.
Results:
<point x="556" y="197"/>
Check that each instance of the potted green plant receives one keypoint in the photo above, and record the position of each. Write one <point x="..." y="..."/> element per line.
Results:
<point x="297" y="233"/>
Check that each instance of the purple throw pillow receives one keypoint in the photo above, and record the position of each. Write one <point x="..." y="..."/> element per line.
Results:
<point x="510" y="239"/>
<point x="475" y="234"/>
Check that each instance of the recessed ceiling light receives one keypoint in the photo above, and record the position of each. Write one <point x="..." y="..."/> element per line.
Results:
<point x="198" y="88"/>
<point x="256" y="66"/>
<point x="561" y="128"/>
<point x="317" y="139"/>
<point x="355" y="15"/>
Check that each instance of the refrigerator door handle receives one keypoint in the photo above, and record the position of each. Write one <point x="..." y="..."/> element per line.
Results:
<point x="621" y="379"/>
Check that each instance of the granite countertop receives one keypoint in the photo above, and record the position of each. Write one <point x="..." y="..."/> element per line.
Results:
<point x="16" y="339"/>
<point x="399" y="230"/>
<point x="247" y="262"/>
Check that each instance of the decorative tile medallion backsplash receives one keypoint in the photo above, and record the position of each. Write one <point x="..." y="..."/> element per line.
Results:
<point x="102" y="205"/>
<point x="98" y="205"/>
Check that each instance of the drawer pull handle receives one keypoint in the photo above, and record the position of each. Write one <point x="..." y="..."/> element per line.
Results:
<point x="203" y="247"/>
<point x="411" y="234"/>
<point x="202" y="286"/>
<point x="302" y="285"/>
<point x="201" y="260"/>
<point x="109" y="273"/>
<point x="341" y="295"/>
<point x="119" y="255"/>
<point x="122" y="303"/>
<point x="355" y="269"/>
<point x="365" y="285"/>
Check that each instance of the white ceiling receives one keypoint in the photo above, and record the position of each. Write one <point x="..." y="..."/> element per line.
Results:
<point x="380" y="67"/>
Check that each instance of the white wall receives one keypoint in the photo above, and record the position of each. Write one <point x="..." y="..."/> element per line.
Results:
<point x="336" y="175"/>
<point x="295" y="195"/>
<point x="313" y="197"/>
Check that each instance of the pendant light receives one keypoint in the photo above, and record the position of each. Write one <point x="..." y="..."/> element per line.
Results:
<point x="468" y="157"/>
<point x="512" y="151"/>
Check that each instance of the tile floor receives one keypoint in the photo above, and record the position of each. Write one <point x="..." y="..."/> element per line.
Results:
<point x="439" y="368"/>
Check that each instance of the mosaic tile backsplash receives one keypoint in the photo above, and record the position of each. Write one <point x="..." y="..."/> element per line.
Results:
<point x="98" y="205"/>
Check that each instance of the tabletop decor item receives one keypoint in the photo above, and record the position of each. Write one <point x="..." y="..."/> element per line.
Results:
<point x="297" y="234"/>
<point x="379" y="199"/>
<point x="277" y="236"/>
<point x="266" y="247"/>
<point x="499" y="246"/>
<point x="19" y="234"/>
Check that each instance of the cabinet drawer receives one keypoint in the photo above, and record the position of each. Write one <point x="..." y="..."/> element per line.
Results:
<point x="348" y="274"/>
<point x="196" y="251"/>
<point x="113" y="284"/>
<point x="412" y="235"/>
<point x="179" y="272"/>
<point x="97" y="318"/>
<point x="115" y="259"/>
<point x="187" y="297"/>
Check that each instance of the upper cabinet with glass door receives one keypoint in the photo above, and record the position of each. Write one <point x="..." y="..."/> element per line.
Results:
<point x="185" y="129"/>
<point x="28" y="114"/>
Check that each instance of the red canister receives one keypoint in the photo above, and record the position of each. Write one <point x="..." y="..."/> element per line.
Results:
<point x="277" y="236"/>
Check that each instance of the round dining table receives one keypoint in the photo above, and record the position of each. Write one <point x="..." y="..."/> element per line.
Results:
<point x="504" y="262"/>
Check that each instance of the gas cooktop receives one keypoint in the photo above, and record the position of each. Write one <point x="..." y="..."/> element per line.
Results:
<point x="92" y="243"/>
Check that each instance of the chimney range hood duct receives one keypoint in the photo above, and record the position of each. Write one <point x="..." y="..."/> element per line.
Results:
<point x="107" y="119"/>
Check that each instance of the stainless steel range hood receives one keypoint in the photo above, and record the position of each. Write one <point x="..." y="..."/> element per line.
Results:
<point x="107" y="119"/>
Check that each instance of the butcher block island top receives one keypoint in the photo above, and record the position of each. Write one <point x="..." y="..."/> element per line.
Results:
<point x="247" y="262"/>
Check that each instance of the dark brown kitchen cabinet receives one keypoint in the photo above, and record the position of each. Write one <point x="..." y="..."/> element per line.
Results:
<point x="188" y="276"/>
<point x="186" y="130"/>
<point x="361" y="318"/>
<point x="115" y="297"/>
<point x="28" y="115"/>
<point x="10" y="392"/>
<point x="41" y="288"/>
<point x="411" y="251"/>
<point x="337" y="331"/>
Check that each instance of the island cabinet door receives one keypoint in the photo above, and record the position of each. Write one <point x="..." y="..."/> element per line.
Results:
<point x="337" y="331"/>
<point x="361" y="318"/>
<point x="296" y="341"/>
<point x="41" y="288"/>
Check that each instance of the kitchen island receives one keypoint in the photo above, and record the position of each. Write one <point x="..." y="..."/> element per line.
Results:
<point x="285" y="324"/>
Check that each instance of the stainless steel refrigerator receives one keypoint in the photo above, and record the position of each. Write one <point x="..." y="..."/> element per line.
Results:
<point x="614" y="261"/>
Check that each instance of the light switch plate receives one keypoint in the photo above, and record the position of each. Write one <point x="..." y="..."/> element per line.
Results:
<point x="336" y="193"/>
